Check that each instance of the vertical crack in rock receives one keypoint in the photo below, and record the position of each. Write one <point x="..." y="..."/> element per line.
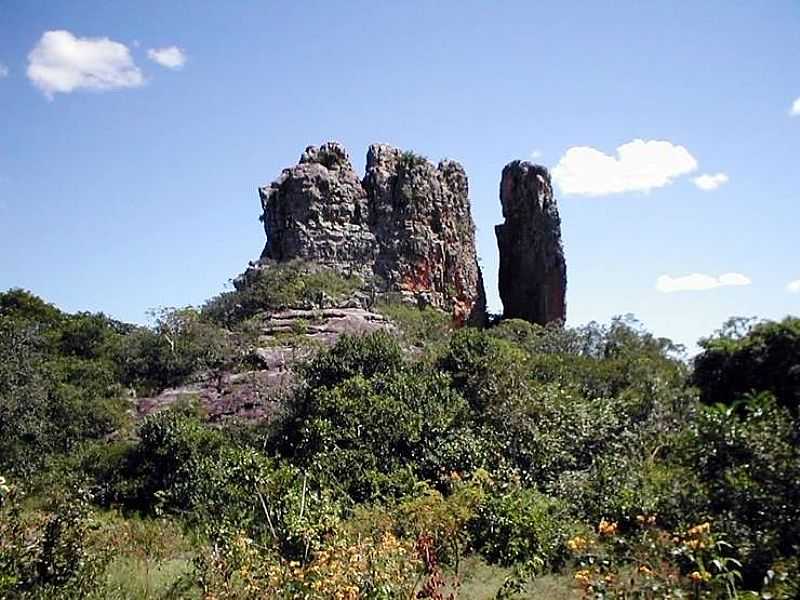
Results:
<point x="408" y="222"/>
<point x="533" y="272"/>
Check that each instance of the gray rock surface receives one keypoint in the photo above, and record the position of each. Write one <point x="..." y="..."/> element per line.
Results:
<point x="285" y="339"/>
<point x="408" y="223"/>
<point x="533" y="271"/>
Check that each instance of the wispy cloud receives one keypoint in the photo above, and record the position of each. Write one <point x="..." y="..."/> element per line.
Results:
<point x="171" y="57"/>
<point x="3" y="71"/>
<point x="795" y="110"/>
<point x="639" y="166"/>
<point x="63" y="63"/>
<point x="699" y="281"/>
<point x="793" y="286"/>
<point x="708" y="181"/>
<point x="536" y="154"/>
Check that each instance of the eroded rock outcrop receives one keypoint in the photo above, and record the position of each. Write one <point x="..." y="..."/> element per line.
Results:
<point x="533" y="272"/>
<point x="406" y="226"/>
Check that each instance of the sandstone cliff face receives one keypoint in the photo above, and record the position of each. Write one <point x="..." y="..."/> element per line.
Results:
<point x="533" y="272"/>
<point x="317" y="211"/>
<point x="408" y="223"/>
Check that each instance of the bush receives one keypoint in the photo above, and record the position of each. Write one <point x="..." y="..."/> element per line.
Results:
<point x="276" y="286"/>
<point x="365" y="355"/>
<point x="747" y="455"/>
<point x="521" y="525"/>
<point x="48" y="554"/>
<point x="740" y="359"/>
<point x="179" y="345"/>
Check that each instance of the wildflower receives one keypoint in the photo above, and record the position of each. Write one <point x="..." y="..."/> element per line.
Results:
<point x="582" y="576"/>
<point x="577" y="544"/>
<point x="698" y="577"/>
<point x="700" y="529"/>
<point x="645" y="570"/>
<point x="607" y="527"/>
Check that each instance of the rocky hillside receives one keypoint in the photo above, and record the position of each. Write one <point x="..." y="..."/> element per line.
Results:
<point x="345" y="254"/>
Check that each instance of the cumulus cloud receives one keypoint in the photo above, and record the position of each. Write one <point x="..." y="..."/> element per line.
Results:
<point x="639" y="166"/>
<point x="63" y="63"/>
<point x="710" y="181"/>
<point x="793" y="286"/>
<point x="795" y="110"/>
<point x="172" y="57"/>
<point x="3" y="71"/>
<point x="699" y="281"/>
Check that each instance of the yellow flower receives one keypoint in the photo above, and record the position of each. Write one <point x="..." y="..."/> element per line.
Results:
<point x="700" y="529"/>
<point x="577" y="544"/>
<point x="607" y="527"/>
<point x="582" y="576"/>
<point x="697" y="577"/>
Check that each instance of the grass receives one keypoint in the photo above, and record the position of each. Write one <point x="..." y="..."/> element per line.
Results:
<point x="427" y="329"/>
<point x="482" y="581"/>
<point x="152" y="558"/>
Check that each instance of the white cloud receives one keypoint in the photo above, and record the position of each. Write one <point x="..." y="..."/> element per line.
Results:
<point x="536" y="154"/>
<point x="3" y="71"/>
<point x="639" y="166"/>
<point x="61" y="62"/>
<point x="795" y="110"/>
<point x="709" y="181"/>
<point x="699" y="281"/>
<point x="172" y="57"/>
<point x="793" y="286"/>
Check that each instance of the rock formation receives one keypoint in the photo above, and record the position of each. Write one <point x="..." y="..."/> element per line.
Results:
<point x="407" y="225"/>
<point x="533" y="273"/>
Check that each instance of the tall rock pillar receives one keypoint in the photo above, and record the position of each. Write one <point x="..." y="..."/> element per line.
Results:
<point x="533" y="272"/>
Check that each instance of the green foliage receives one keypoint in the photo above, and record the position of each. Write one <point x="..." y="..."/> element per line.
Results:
<point x="741" y="359"/>
<point x="47" y="554"/>
<point x="278" y="286"/>
<point x="410" y="159"/>
<point x="367" y="355"/>
<point x="748" y="457"/>
<point x="179" y="345"/>
<point x="53" y="394"/>
<point x="425" y="328"/>
<point x="415" y="429"/>
<point x="485" y="370"/>
<point x="521" y="525"/>
<point x="386" y="469"/>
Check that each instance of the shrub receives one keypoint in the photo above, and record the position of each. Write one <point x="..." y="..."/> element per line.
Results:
<point x="365" y="355"/>
<point x="521" y="525"/>
<point x="427" y="328"/>
<point x="278" y="286"/>
<point x="370" y="425"/>
<point x="737" y="361"/>
<point x="747" y="456"/>
<point x="48" y="554"/>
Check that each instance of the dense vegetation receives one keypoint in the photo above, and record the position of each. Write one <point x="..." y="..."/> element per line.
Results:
<point x="516" y="461"/>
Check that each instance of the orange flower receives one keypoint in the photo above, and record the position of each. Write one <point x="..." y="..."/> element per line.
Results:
<point x="607" y="527"/>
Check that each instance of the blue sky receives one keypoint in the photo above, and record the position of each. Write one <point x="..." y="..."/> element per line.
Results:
<point x="143" y="194"/>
